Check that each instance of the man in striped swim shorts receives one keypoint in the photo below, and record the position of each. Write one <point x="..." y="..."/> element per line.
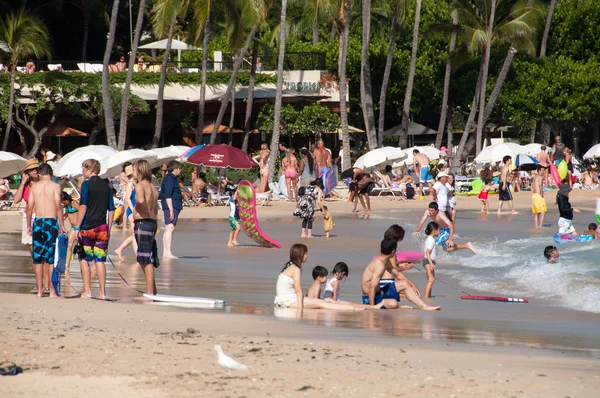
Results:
<point x="144" y="216"/>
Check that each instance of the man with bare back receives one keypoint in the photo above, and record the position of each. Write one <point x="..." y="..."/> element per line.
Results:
<point x="322" y="158"/>
<point x="45" y="201"/>
<point x="445" y="239"/>
<point x="504" y="194"/>
<point x="389" y="294"/>
<point x="421" y="168"/>
<point x="144" y="216"/>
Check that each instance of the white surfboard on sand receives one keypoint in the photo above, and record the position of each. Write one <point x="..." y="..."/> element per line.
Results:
<point x="165" y="298"/>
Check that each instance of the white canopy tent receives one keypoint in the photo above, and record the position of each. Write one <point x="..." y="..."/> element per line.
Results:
<point x="175" y="45"/>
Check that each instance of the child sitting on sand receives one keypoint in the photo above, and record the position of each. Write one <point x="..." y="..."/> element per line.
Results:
<point x="592" y="227"/>
<point x="332" y="288"/>
<point x="483" y="196"/>
<point x="234" y="220"/>
<point x="319" y="275"/>
<point x="565" y="221"/>
<point x="327" y="221"/>
<point x="551" y="254"/>
<point x="289" y="285"/>
<point x="432" y="231"/>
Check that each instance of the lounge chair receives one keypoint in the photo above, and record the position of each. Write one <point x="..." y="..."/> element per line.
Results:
<point x="215" y="198"/>
<point x="381" y="188"/>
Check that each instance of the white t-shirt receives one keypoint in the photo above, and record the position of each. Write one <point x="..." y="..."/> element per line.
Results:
<point x="442" y="195"/>
<point x="430" y="245"/>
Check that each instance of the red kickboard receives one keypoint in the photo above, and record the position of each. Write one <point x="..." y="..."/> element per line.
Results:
<point x="490" y="298"/>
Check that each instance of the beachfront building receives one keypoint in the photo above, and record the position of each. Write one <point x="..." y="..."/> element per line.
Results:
<point x="305" y="81"/>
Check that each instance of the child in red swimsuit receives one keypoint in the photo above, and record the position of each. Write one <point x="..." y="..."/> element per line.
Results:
<point x="483" y="196"/>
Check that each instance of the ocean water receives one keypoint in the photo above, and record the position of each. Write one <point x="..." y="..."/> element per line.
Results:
<point x="517" y="268"/>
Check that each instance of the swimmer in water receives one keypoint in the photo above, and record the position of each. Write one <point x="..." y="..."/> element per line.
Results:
<point x="551" y="254"/>
<point x="592" y="227"/>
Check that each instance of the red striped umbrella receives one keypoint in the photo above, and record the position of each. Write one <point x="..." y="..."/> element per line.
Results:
<point x="222" y="156"/>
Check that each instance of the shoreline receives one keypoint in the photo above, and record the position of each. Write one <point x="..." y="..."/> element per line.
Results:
<point x="152" y="351"/>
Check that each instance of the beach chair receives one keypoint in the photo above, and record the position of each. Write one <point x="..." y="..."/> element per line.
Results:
<point x="264" y="198"/>
<point x="55" y="67"/>
<point x="85" y="67"/>
<point x="214" y="197"/>
<point x="381" y="188"/>
<point x="275" y="189"/>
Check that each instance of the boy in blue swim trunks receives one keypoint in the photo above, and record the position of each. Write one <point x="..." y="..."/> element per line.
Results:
<point x="44" y="201"/>
<point x="445" y="239"/>
<point x="421" y="167"/>
<point x="388" y="294"/>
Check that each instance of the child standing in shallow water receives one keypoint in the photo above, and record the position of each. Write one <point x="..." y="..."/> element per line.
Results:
<point x="234" y="220"/>
<point x="432" y="231"/>
<point x="327" y="221"/>
<point x="483" y="196"/>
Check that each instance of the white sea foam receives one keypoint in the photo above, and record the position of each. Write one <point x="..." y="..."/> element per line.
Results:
<point x="517" y="268"/>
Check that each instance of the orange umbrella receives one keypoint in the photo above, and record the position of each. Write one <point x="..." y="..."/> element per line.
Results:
<point x="63" y="131"/>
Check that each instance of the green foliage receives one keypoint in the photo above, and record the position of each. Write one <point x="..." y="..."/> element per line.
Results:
<point x="142" y="79"/>
<point x="575" y="29"/>
<point x="557" y="89"/>
<point x="300" y="119"/>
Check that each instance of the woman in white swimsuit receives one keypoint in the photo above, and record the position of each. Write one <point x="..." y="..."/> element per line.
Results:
<point x="289" y="285"/>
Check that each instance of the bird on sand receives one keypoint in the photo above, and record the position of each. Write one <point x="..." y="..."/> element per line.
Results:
<point x="228" y="363"/>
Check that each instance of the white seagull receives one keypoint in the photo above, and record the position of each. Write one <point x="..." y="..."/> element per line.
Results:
<point x="228" y="363"/>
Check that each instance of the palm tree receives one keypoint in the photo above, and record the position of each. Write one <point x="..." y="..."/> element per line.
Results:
<point x="242" y="18"/>
<point x="24" y="35"/>
<point x="398" y="14"/>
<point x="366" y="89"/>
<point x="547" y="27"/>
<point x="448" y="72"/>
<point x="126" y="90"/>
<point x="279" y="92"/>
<point x="485" y="62"/>
<point x="343" y="26"/>
<point x="106" y="99"/>
<point x="250" y="98"/>
<point x="87" y="8"/>
<point x="512" y="25"/>
<point x="314" y="13"/>
<point x="164" y="19"/>
<point x="202" y="100"/>
<point x="403" y="139"/>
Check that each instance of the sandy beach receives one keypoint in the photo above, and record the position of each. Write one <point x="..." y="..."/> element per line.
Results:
<point x="96" y="348"/>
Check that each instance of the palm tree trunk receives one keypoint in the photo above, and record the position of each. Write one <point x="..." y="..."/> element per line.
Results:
<point x="250" y="99"/>
<point x="231" y="119"/>
<point x="484" y="76"/>
<point x="463" y="139"/>
<point x="84" y="40"/>
<point x="232" y="81"/>
<point x="315" y="34"/>
<point x="202" y="100"/>
<point x="344" y="34"/>
<point x="109" y="121"/>
<point x="547" y="28"/>
<point x="489" y="107"/>
<point x="127" y="89"/>
<point x="161" y="86"/>
<point x="403" y="140"/>
<point x="333" y="31"/>
<point x="449" y="141"/>
<point x="11" y="105"/>
<point x="278" y="93"/>
<point x="386" y="76"/>
<point x="365" y="77"/>
<point x="444" y="110"/>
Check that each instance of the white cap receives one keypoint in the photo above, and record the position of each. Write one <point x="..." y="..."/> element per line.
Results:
<point x="442" y="174"/>
<point x="50" y="155"/>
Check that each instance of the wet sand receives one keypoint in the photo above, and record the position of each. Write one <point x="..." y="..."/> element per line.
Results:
<point x="460" y="348"/>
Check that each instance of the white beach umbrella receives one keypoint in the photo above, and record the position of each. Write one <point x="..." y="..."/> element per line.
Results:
<point x="166" y="154"/>
<point x="431" y="152"/>
<point x="533" y="149"/>
<point x="112" y="165"/>
<point x="70" y="164"/>
<point x="495" y="153"/>
<point x="10" y="164"/>
<point x="593" y="152"/>
<point x="379" y="157"/>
